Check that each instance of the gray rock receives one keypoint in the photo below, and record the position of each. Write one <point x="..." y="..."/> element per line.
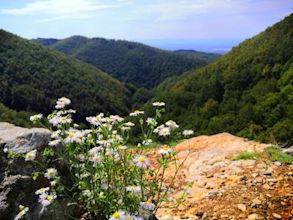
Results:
<point x="288" y="150"/>
<point x="22" y="140"/>
<point x="16" y="185"/>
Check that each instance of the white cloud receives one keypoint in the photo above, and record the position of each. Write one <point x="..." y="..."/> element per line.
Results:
<point x="62" y="9"/>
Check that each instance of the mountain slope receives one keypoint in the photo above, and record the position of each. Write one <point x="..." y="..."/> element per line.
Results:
<point x="33" y="76"/>
<point x="130" y="62"/>
<point x="247" y="92"/>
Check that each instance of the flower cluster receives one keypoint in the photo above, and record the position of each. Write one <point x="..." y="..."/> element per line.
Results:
<point x="103" y="166"/>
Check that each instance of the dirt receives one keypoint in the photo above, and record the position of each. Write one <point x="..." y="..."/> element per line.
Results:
<point x="223" y="188"/>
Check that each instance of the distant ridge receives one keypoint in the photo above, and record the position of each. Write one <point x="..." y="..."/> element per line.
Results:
<point x="130" y="62"/>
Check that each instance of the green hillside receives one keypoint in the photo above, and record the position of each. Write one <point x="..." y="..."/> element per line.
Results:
<point x="130" y="62"/>
<point x="32" y="77"/>
<point x="248" y="91"/>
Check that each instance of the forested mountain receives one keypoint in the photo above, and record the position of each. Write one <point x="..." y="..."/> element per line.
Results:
<point x="248" y="91"/>
<point x="32" y="77"/>
<point x="130" y="62"/>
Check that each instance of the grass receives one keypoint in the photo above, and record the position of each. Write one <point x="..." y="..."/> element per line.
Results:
<point x="275" y="154"/>
<point x="246" y="156"/>
<point x="270" y="153"/>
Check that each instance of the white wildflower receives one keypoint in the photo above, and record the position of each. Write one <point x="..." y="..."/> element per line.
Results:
<point x="187" y="132"/>
<point x="164" y="150"/>
<point x="22" y="211"/>
<point x="151" y="121"/>
<point x="172" y="124"/>
<point x="136" y="113"/>
<point x="36" y="117"/>
<point x="148" y="205"/>
<point x="46" y="199"/>
<point x="119" y="215"/>
<point x="30" y="156"/>
<point x="164" y="131"/>
<point x="158" y="104"/>
<point x="51" y="173"/>
<point x="142" y="161"/>
<point x="62" y="102"/>
<point x="147" y="142"/>
<point x="42" y="190"/>
<point x="54" y="142"/>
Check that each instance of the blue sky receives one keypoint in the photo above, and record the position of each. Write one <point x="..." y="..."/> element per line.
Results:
<point x="150" y="21"/>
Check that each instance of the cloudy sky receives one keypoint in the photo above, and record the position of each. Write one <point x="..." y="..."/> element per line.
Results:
<point x="142" y="20"/>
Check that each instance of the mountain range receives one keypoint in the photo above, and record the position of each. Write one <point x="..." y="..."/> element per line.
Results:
<point x="130" y="62"/>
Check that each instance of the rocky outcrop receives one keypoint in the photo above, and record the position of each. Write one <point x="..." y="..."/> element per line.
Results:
<point x="223" y="188"/>
<point x="16" y="184"/>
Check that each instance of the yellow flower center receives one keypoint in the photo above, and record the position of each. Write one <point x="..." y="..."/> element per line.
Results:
<point x="51" y="172"/>
<point x="49" y="198"/>
<point x="70" y="135"/>
<point x="165" y="148"/>
<point x="116" y="215"/>
<point x="141" y="159"/>
<point x="21" y="213"/>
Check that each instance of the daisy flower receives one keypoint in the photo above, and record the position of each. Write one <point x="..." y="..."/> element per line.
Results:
<point x="141" y="161"/>
<point x="172" y="124"/>
<point x="148" y="205"/>
<point x="164" y="131"/>
<point x="187" y="133"/>
<point x="30" y="156"/>
<point x="119" y="215"/>
<point x="42" y="190"/>
<point x="136" y="113"/>
<point x="54" y="142"/>
<point x="51" y="173"/>
<point x="46" y="199"/>
<point x="158" y="104"/>
<point x="164" y="150"/>
<point x="36" y="117"/>
<point x="22" y="211"/>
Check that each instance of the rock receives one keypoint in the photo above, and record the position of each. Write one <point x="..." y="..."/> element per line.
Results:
<point x="167" y="217"/>
<point x="241" y="207"/>
<point x="277" y="216"/>
<point x="16" y="185"/>
<point x="22" y="140"/>
<point x="277" y="163"/>
<point x="268" y="171"/>
<point x="288" y="150"/>
<point x="253" y="216"/>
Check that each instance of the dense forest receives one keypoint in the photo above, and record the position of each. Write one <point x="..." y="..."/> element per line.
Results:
<point x="32" y="77"/>
<point x="130" y="62"/>
<point x="248" y="91"/>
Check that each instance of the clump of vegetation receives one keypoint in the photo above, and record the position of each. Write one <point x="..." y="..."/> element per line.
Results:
<point x="270" y="153"/>
<point x="104" y="177"/>
<point x="246" y="156"/>
<point x="275" y="154"/>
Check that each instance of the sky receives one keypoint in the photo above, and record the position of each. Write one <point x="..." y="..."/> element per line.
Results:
<point x="169" y="24"/>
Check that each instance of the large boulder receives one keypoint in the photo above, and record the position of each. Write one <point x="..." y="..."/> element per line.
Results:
<point x="16" y="184"/>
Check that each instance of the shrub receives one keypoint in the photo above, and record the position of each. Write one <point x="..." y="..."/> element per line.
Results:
<point x="101" y="174"/>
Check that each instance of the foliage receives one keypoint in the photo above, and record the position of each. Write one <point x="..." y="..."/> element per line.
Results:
<point x="247" y="92"/>
<point x="33" y="76"/>
<point x="18" y="118"/>
<point x="246" y="156"/>
<point x="130" y="62"/>
<point x="276" y="154"/>
<point x="103" y="176"/>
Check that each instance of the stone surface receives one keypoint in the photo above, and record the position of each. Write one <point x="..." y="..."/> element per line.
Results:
<point x="16" y="184"/>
